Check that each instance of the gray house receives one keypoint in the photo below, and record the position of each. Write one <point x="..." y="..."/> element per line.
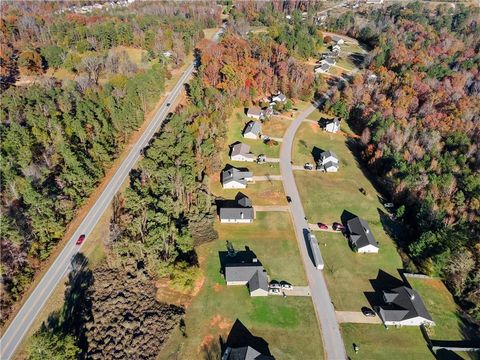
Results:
<point x="241" y="152"/>
<point x="239" y="211"/>
<point x="328" y="161"/>
<point x="234" y="178"/>
<point x="251" y="274"/>
<point x="403" y="306"/>
<point x="255" y="112"/>
<point x="360" y="236"/>
<point x="252" y="130"/>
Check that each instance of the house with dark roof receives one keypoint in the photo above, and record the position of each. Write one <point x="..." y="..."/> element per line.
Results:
<point x="251" y="274"/>
<point x="241" y="344"/>
<point x="328" y="162"/>
<point x="241" y="152"/>
<point x="233" y="178"/>
<point x="403" y="306"/>
<point x="252" y="130"/>
<point x="360" y="236"/>
<point x="237" y="211"/>
<point x="332" y="125"/>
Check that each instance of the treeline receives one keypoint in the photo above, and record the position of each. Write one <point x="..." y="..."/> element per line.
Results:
<point x="417" y="111"/>
<point x="57" y="142"/>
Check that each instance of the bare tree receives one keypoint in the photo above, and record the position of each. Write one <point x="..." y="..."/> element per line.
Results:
<point x="93" y="65"/>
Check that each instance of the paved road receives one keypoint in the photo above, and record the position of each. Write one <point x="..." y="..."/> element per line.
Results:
<point x="332" y="339"/>
<point x="23" y="320"/>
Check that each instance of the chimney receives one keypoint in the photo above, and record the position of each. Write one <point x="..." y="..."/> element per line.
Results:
<point x="412" y="296"/>
<point x="366" y="231"/>
<point x="255" y="260"/>
<point x="241" y="215"/>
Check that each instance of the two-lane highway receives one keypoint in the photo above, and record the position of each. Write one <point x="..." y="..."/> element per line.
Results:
<point x="332" y="339"/>
<point x="23" y="320"/>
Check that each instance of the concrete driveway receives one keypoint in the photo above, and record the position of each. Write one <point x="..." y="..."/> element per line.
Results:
<point x="271" y="207"/>
<point x="267" y="178"/>
<point x="356" y="317"/>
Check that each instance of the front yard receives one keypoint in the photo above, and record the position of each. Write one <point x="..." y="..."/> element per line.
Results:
<point x="282" y="322"/>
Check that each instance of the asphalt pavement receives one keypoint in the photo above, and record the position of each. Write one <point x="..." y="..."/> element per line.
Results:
<point x="332" y="340"/>
<point x="18" y="328"/>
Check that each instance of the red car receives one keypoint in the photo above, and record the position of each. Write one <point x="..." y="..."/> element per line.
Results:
<point x="322" y="226"/>
<point x="80" y="239"/>
<point x="337" y="226"/>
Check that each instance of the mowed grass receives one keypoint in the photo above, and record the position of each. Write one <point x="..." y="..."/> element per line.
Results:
<point x="442" y="308"/>
<point x="325" y="196"/>
<point x="260" y="192"/>
<point x="377" y="343"/>
<point x="276" y="126"/>
<point x="282" y="322"/>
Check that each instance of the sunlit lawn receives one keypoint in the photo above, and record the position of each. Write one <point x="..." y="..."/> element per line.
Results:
<point x="276" y="126"/>
<point x="282" y="322"/>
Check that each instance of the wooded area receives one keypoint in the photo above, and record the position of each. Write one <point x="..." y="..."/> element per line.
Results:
<point x="417" y="110"/>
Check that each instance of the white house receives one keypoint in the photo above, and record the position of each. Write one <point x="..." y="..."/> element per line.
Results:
<point x="279" y="98"/>
<point x="328" y="162"/>
<point x="336" y="48"/>
<point x="403" y="306"/>
<point x="333" y="125"/>
<point x="360" y="236"/>
<point x="324" y="68"/>
<point x="255" y="112"/>
<point x="239" y="212"/>
<point x="234" y="178"/>
<point x="340" y="41"/>
<point x="252" y="130"/>
<point x="251" y="274"/>
<point x="241" y="152"/>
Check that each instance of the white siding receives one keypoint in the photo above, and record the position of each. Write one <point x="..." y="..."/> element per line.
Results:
<point x="259" y="292"/>
<point x="235" y="221"/>
<point x="234" y="185"/>
<point x="368" y="249"/>
<point x="250" y="135"/>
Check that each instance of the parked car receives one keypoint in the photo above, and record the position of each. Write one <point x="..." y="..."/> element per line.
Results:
<point x="289" y="199"/>
<point x="80" y="239"/>
<point x="389" y="205"/>
<point x="274" y="285"/>
<point x="286" y="286"/>
<point x="337" y="226"/>
<point x="274" y="291"/>
<point x="308" y="166"/>
<point x="368" y="312"/>
<point x="322" y="226"/>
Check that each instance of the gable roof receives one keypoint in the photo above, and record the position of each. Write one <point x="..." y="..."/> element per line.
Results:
<point x="243" y="345"/>
<point x="403" y="303"/>
<point x="335" y="121"/>
<point x="253" y="127"/>
<point x="327" y="154"/>
<point x="254" y="110"/>
<point x="253" y="273"/>
<point x="241" y="210"/>
<point x="360" y="234"/>
<point x="234" y="174"/>
<point x="240" y="149"/>
<point x="329" y="164"/>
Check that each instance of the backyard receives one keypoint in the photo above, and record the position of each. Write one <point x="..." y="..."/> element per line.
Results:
<point x="282" y="322"/>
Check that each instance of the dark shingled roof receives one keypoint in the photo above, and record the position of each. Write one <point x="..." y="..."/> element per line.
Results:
<point x="360" y="233"/>
<point x="403" y="303"/>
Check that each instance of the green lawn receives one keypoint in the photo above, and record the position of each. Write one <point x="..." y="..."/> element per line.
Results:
<point x="276" y="126"/>
<point x="377" y="343"/>
<point x="442" y="308"/>
<point x="260" y="192"/>
<point x="282" y="322"/>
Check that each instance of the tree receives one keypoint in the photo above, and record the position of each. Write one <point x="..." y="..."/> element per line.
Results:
<point x="30" y="62"/>
<point x="50" y="345"/>
<point x="93" y="65"/>
<point x="54" y="56"/>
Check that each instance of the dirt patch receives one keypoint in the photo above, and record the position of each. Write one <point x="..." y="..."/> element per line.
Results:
<point x="221" y="322"/>
<point x="198" y="285"/>
<point x="217" y="287"/>
<point x="270" y="194"/>
<point x="207" y="341"/>
<point x="436" y="284"/>
<point x="314" y="127"/>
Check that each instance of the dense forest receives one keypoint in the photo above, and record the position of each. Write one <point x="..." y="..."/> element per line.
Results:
<point x="60" y="135"/>
<point x="417" y="110"/>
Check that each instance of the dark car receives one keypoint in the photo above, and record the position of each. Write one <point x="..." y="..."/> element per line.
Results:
<point x="168" y="104"/>
<point x="337" y="226"/>
<point x="368" y="312"/>
<point x="80" y="239"/>
<point x="289" y="199"/>
<point x="322" y="226"/>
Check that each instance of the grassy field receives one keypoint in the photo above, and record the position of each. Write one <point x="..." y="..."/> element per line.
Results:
<point x="376" y="342"/>
<point x="282" y="322"/>
<point x="276" y="126"/>
<point x="260" y="192"/>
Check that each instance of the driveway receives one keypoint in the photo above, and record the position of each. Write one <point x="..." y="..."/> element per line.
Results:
<point x="356" y="317"/>
<point x="271" y="207"/>
<point x="267" y="178"/>
<point x="314" y="227"/>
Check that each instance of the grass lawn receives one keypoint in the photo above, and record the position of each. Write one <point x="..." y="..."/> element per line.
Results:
<point x="236" y="125"/>
<point x="377" y="343"/>
<point x="282" y="322"/>
<point x="276" y="126"/>
<point x="260" y="192"/>
<point x="344" y="62"/>
<point x="442" y="308"/>
<point x="325" y="197"/>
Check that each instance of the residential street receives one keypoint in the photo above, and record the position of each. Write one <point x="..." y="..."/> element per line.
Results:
<point x="20" y="325"/>
<point x="332" y="339"/>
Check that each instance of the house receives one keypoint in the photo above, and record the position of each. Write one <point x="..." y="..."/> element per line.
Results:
<point x="234" y="178"/>
<point x="340" y="41"/>
<point x="324" y="68"/>
<point x="279" y="97"/>
<point x="336" y="48"/>
<point x="255" y="112"/>
<point x="241" y="344"/>
<point x="328" y="162"/>
<point x="360" y="236"/>
<point x="329" y="61"/>
<point x="241" y="152"/>
<point x="333" y="125"/>
<point x="238" y="211"/>
<point x="251" y="274"/>
<point x="252" y="130"/>
<point x="403" y="306"/>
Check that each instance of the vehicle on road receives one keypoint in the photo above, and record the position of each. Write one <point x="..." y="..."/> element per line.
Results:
<point x="168" y="104"/>
<point x="286" y="286"/>
<point x="315" y="249"/>
<point x="80" y="239"/>
<point x="337" y="226"/>
<point x="322" y="226"/>
<point x="289" y="199"/>
<point x="368" y="312"/>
